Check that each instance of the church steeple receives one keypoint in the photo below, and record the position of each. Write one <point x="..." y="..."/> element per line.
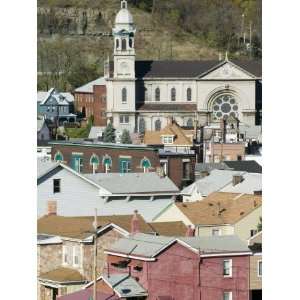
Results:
<point x="124" y="48"/>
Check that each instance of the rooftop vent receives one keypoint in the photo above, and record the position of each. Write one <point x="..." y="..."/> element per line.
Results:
<point x="236" y="179"/>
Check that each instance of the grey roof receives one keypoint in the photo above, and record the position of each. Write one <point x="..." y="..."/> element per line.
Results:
<point x="133" y="183"/>
<point x="250" y="166"/>
<point x="212" y="183"/>
<point x="150" y="246"/>
<point x="88" y="88"/>
<point x="125" y="285"/>
<point x="252" y="182"/>
<point x="44" y="165"/>
<point x="95" y="131"/>
<point x="202" y="167"/>
<point x="41" y="95"/>
<point x="60" y="97"/>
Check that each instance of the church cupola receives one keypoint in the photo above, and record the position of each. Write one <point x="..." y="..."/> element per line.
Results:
<point x="124" y="48"/>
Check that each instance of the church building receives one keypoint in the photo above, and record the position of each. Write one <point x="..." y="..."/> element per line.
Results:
<point x="144" y="95"/>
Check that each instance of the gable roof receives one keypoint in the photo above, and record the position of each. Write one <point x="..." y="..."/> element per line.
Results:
<point x="201" y="167"/>
<point x="88" y="87"/>
<point x="82" y="227"/>
<point x="60" y="97"/>
<point x="148" y="247"/>
<point x="176" y="228"/>
<point x="45" y="165"/>
<point x="187" y="69"/>
<point x="180" y="137"/>
<point x="133" y="183"/>
<point x="63" y="275"/>
<point x="250" y="166"/>
<point x="220" y="208"/>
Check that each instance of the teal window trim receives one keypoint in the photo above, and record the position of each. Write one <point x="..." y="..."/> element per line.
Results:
<point x="145" y="163"/>
<point x="124" y="165"/>
<point x="58" y="156"/>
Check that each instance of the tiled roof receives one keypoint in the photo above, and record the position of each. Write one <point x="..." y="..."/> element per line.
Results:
<point x="180" y="138"/>
<point x="220" y="208"/>
<point x="169" y="228"/>
<point x="150" y="246"/>
<point x="186" y="69"/>
<point x="250" y="166"/>
<point x="63" y="275"/>
<point x="168" y="107"/>
<point x="82" y="227"/>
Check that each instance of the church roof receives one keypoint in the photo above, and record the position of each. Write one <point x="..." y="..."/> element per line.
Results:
<point x="170" y="107"/>
<point x="187" y="69"/>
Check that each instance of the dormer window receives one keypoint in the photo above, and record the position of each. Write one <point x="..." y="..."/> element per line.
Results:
<point x="167" y="139"/>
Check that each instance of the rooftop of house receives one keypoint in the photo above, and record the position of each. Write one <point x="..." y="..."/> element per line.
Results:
<point x="88" y="88"/>
<point x="82" y="227"/>
<point x="169" y="228"/>
<point x="44" y="165"/>
<point x="181" y="136"/>
<point x="147" y="246"/>
<point x="133" y="183"/>
<point x="61" y="97"/>
<point x="220" y="208"/>
<point x="250" y="166"/>
<point x="208" y="167"/>
<point x="63" y="275"/>
<point x="87" y="294"/>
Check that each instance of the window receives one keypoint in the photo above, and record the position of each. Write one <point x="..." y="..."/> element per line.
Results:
<point x="77" y="163"/>
<point x="157" y="94"/>
<point x="173" y="94"/>
<point x="142" y="126"/>
<point x="146" y="165"/>
<point x="157" y="125"/>
<point x="167" y="139"/>
<point x="190" y="122"/>
<point x="189" y="94"/>
<point x="227" y="268"/>
<point x="117" y="43"/>
<point x="58" y="157"/>
<point x="67" y="255"/>
<point x="227" y="296"/>
<point x="124" y="95"/>
<point x="164" y="166"/>
<point x="259" y="268"/>
<point x="216" y="232"/>
<point x="253" y="232"/>
<point x="224" y="106"/>
<point x="94" y="161"/>
<point x="56" y="186"/>
<point x="48" y="108"/>
<point x="130" y="43"/>
<point x="123" y="44"/>
<point x="107" y="162"/>
<point x="124" y="119"/>
<point x="124" y="165"/>
<point x="239" y="157"/>
<point x="186" y="170"/>
<point x="76" y="256"/>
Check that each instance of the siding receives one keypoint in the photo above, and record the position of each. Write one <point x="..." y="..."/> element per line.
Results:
<point x="255" y="281"/>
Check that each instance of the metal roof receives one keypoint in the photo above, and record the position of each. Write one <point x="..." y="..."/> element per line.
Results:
<point x="88" y="88"/>
<point x="133" y="183"/>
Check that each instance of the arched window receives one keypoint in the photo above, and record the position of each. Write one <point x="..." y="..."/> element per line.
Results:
<point x="130" y="43"/>
<point x="142" y="126"/>
<point x="157" y="125"/>
<point x="157" y="94"/>
<point x="107" y="162"/>
<point x="224" y="106"/>
<point x="123" y="44"/>
<point x="117" y="43"/>
<point x="58" y="157"/>
<point x="94" y="161"/>
<point x="189" y="123"/>
<point x="189" y="94"/>
<point x="124" y="95"/>
<point x="173" y="94"/>
<point x="145" y="164"/>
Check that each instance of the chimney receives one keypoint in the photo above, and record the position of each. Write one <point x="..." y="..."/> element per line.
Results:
<point x="135" y="223"/>
<point x="236" y="179"/>
<point x="190" y="231"/>
<point x="258" y="193"/>
<point x="204" y="173"/>
<point x="51" y="208"/>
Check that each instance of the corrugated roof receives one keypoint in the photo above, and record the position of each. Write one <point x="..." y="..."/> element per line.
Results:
<point x="133" y="183"/>
<point x="63" y="275"/>
<point x="82" y="227"/>
<point x="220" y="208"/>
<point x="88" y="88"/>
<point x="150" y="246"/>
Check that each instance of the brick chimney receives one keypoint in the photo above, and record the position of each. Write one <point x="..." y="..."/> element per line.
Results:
<point x="52" y="208"/>
<point x="135" y="226"/>
<point x="236" y="179"/>
<point x="190" y="231"/>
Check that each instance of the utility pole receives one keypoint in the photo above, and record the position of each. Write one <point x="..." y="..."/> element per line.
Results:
<point x="95" y="225"/>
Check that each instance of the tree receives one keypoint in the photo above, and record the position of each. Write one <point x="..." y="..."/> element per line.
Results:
<point x="259" y="225"/>
<point x="125" y="137"/>
<point x="109" y="135"/>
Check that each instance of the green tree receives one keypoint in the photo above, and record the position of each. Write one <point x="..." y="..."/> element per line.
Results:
<point x="109" y="135"/>
<point x="125" y="137"/>
<point x="259" y="225"/>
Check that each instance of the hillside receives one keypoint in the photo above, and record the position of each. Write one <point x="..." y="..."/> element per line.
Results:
<point x="74" y="35"/>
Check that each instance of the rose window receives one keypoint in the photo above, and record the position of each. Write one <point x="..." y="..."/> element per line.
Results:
<point x="224" y="106"/>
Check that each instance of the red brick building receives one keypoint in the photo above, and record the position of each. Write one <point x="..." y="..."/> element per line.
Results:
<point x="90" y="100"/>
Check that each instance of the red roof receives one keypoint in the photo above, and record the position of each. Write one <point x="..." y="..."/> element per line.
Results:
<point x="86" y="294"/>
